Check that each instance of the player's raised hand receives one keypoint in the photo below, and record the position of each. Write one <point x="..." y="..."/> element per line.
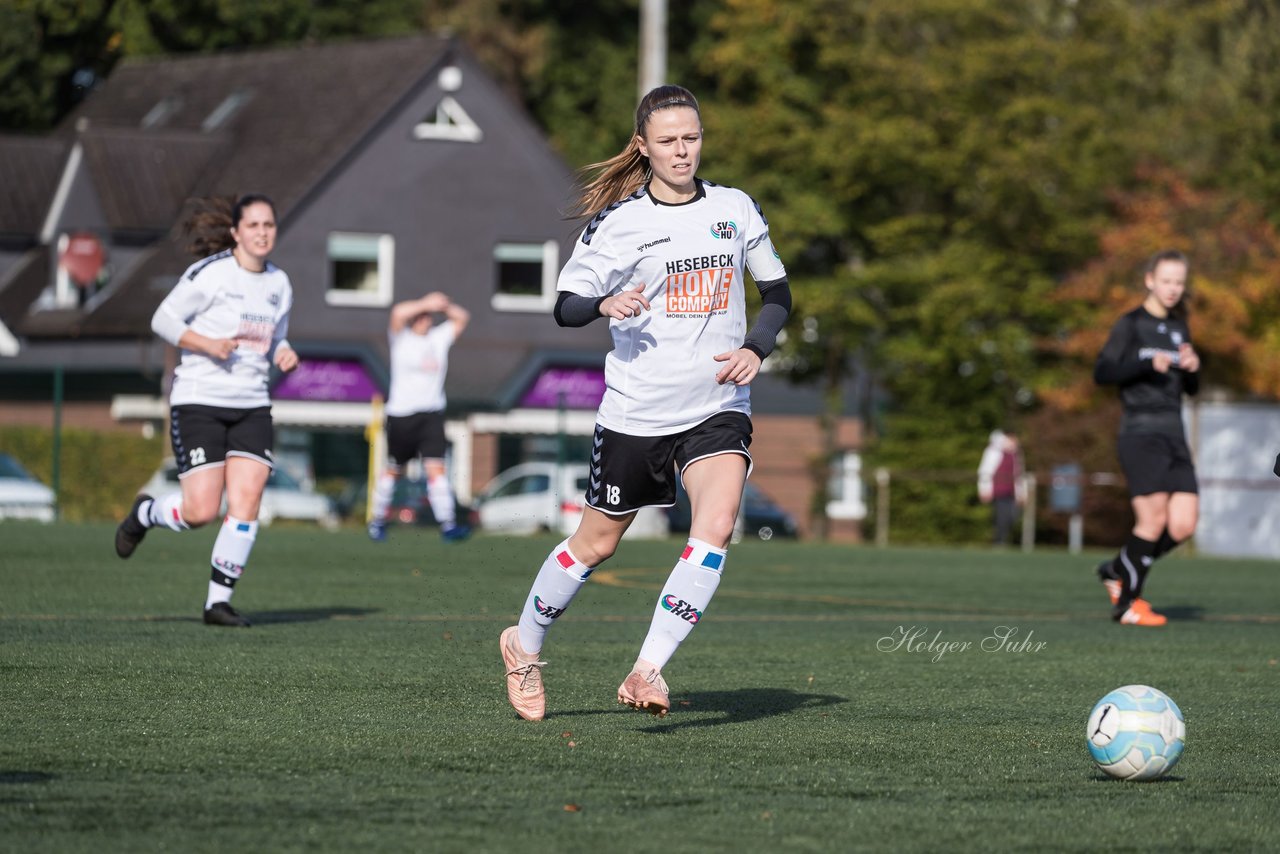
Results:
<point x="435" y="302"/>
<point x="741" y="366"/>
<point x="626" y="304"/>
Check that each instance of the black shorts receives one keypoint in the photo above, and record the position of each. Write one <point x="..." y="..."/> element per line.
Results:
<point x="205" y="436"/>
<point x="630" y="472"/>
<point x="1156" y="462"/>
<point x="418" y="435"/>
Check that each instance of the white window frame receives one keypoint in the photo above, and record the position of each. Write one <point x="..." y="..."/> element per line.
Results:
<point x="847" y="468"/>
<point x="64" y="290"/>
<point x="386" y="251"/>
<point x="550" y="257"/>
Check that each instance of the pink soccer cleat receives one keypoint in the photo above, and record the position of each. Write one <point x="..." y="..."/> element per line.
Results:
<point x="645" y="689"/>
<point x="524" y="677"/>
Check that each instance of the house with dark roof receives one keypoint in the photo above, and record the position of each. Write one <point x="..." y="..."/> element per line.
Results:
<point x="397" y="167"/>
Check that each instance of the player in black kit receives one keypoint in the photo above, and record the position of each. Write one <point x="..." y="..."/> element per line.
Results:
<point x="1150" y="357"/>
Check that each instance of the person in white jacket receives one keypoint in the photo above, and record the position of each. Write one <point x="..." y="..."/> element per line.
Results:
<point x="1000" y="483"/>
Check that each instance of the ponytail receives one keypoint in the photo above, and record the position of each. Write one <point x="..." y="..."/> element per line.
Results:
<point x="602" y="184"/>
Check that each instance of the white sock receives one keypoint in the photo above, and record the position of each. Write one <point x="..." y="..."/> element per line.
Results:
<point x="561" y="577"/>
<point x="165" y="512"/>
<point x="685" y="596"/>
<point x="382" y="492"/>
<point x="440" y="497"/>
<point x="217" y="593"/>
<point x="230" y="554"/>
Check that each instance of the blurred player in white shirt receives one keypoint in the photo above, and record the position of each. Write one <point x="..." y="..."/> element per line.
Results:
<point x="415" y="408"/>
<point x="229" y="316"/>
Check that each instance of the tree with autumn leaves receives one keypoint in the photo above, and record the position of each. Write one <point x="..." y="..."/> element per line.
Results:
<point x="1234" y="297"/>
<point x="956" y="185"/>
<point x="1233" y="303"/>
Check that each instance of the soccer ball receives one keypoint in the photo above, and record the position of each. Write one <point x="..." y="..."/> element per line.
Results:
<point x="1136" y="733"/>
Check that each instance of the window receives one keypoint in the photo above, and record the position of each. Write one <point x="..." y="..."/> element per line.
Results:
<point x="360" y="269"/>
<point x="845" y="488"/>
<point x="530" y="484"/>
<point x="164" y="109"/>
<point x="526" y="276"/>
<point x="225" y="110"/>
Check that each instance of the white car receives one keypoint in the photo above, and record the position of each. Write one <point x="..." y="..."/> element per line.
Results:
<point x="529" y="498"/>
<point x="284" y="497"/>
<point x="21" y="495"/>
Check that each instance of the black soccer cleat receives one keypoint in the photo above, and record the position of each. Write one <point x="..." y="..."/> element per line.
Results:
<point x="222" y="614"/>
<point x="131" y="531"/>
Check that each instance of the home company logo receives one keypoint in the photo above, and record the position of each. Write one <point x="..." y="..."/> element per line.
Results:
<point x="699" y="286"/>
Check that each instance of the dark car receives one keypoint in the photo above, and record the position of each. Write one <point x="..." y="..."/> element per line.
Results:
<point x="760" y="516"/>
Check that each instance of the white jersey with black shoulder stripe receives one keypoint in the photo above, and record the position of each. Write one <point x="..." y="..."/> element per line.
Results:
<point x="660" y="377"/>
<point x="218" y="298"/>
<point x="419" y="364"/>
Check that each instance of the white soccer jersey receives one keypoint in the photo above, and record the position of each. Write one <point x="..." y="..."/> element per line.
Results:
<point x="218" y="298"/>
<point x="418" y="367"/>
<point x="661" y="376"/>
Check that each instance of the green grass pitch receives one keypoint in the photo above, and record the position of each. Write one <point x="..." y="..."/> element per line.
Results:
<point x="365" y="710"/>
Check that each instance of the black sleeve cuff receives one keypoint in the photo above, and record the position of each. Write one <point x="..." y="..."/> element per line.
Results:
<point x="574" y="310"/>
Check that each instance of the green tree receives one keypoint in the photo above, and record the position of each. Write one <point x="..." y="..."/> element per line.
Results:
<point x="938" y="166"/>
<point x="52" y="52"/>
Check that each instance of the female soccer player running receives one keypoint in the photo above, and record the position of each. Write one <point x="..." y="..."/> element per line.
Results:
<point x="663" y="259"/>
<point x="1150" y="357"/>
<point x="228" y="314"/>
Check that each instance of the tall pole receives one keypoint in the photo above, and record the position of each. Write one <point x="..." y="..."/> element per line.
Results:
<point x="653" y="45"/>
<point x="57" y="441"/>
<point x="562" y="455"/>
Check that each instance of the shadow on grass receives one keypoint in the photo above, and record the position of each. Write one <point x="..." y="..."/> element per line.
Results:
<point x="297" y="615"/>
<point x="738" y="706"/>
<point x="9" y="778"/>
<point x="307" y="615"/>
<point x="1104" y="778"/>
<point x="1182" y="612"/>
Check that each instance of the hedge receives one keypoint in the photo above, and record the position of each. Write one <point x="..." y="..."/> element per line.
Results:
<point x="100" y="472"/>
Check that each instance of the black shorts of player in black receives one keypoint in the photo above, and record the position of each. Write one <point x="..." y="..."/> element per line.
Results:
<point x="630" y="472"/>
<point x="418" y="435"/>
<point x="1156" y="462"/>
<point x="207" y="435"/>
